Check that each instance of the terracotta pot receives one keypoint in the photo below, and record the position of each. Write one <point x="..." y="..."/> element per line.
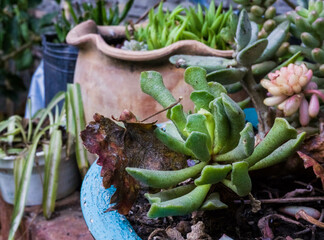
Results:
<point x="109" y="76"/>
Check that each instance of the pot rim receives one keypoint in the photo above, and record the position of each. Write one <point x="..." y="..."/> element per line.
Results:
<point x="94" y="201"/>
<point x="89" y="32"/>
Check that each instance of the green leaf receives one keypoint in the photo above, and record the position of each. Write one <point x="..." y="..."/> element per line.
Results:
<point x="164" y="179"/>
<point x="213" y="202"/>
<point x="166" y="195"/>
<point x="281" y="153"/>
<point x="212" y="174"/>
<point x="244" y="148"/>
<point x="196" y="77"/>
<point x="243" y="31"/>
<point x="275" y="39"/>
<point x="227" y="76"/>
<point x="152" y="84"/>
<point x="75" y="98"/>
<point x="52" y="163"/>
<point x="280" y="132"/>
<point x="180" y="206"/>
<point x="252" y="52"/>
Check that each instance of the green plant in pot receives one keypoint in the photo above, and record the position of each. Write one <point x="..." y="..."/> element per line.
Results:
<point x="50" y="133"/>
<point x="211" y="26"/>
<point x="216" y="137"/>
<point x="252" y="60"/>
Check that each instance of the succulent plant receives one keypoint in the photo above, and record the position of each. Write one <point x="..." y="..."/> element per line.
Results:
<point x="289" y="88"/>
<point x="219" y="141"/>
<point x="307" y="25"/>
<point x="261" y="12"/>
<point x="211" y="26"/>
<point x="252" y="60"/>
<point x="134" y="45"/>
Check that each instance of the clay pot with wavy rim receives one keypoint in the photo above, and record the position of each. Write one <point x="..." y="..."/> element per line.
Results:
<point x="110" y="77"/>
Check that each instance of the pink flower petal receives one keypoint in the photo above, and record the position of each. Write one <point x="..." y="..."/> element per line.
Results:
<point x="311" y="86"/>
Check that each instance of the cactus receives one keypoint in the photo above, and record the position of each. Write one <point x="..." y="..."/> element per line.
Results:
<point x="216" y="137"/>
<point x="289" y="88"/>
<point x="307" y="25"/>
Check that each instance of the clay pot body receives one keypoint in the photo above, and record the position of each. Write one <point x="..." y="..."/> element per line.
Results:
<point x="110" y="77"/>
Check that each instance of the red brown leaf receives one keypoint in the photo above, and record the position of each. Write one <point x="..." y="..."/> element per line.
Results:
<point x="310" y="162"/>
<point x="133" y="146"/>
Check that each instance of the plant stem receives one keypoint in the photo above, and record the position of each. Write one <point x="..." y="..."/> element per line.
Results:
<point x="265" y="115"/>
<point x="284" y="200"/>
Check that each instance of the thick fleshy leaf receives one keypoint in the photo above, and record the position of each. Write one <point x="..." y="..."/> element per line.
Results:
<point x="132" y="146"/>
<point x="152" y="84"/>
<point x="166" y="195"/>
<point x="212" y="174"/>
<point x="227" y="76"/>
<point x="196" y="77"/>
<point x="213" y="202"/>
<point x="243" y="31"/>
<point x="182" y="205"/>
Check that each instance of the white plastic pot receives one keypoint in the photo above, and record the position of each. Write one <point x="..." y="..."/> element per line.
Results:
<point x="69" y="179"/>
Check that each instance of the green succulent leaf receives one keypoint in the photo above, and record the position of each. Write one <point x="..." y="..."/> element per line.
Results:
<point x="236" y="118"/>
<point x="152" y="84"/>
<point x="199" y="144"/>
<point x="166" y="195"/>
<point x="240" y="180"/>
<point x="244" y="148"/>
<point x="251" y="53"/>
<point x="281" y="153"/>
<point x="201" y="99"/>
<point x="164" y="179"/>
<point x="175" y="144"/>
<point x="209" y="63"/>
<point x="213" y="202"/>
<point x="212" y="174"/>
<point x="216" y="89"/>
<point x="280" y="132"/>
<point x="182" y="205"/>
<point x="196" y="77"/>
<point x="178" y="117"/>
<point x="222" y="125"/>
<point x="227" y="76"/>
<point x="275" y="39"/>
<point x="243" y="31"/>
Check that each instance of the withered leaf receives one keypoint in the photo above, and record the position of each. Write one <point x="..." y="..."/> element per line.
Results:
<point x="310" y="162"/>
<point x="133" y="146"/>
<point x="314" y="146"/>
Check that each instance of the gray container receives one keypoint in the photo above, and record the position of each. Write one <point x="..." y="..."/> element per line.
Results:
<point x="69" y="179"/>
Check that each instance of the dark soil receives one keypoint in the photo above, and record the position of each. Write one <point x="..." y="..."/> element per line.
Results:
<point x="238" y="221"/>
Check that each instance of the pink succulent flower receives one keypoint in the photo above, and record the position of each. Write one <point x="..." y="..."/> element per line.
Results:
<point x="288" y="89"/>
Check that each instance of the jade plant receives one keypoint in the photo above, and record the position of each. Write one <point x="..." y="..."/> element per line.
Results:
<point x="217" y="139"/>
<point x="307" y="25"/>
<point x="211" y="26"/>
